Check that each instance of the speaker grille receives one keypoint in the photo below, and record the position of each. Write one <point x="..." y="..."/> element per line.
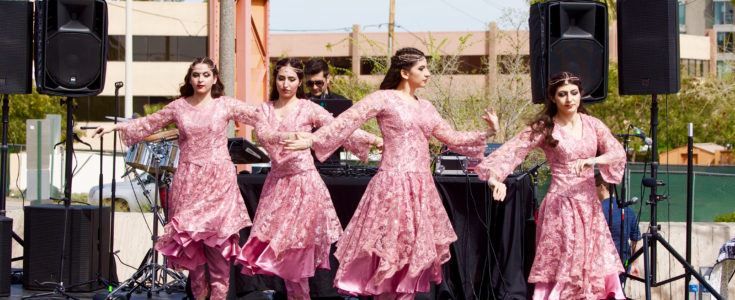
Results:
<point x="72" y="59"/>
<point x="44" y="227"/>
<point x="648" y="47"/>
<point x="71" y="47"/>
<point x="564" y="56"/>
<point x="569" y="36"/>
<point x="15" y="47"/>
<point x="6" y="228"/>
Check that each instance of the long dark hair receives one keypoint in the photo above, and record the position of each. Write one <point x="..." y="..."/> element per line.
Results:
<point x="298" y="67"/>
<point x="404" y="59"/>
<point x="218" y="89"/>
<point x="543" y="123"/>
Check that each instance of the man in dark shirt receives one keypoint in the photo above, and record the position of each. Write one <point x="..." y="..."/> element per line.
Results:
<point x="318" y="80"/>
<point x="631" y="231"/>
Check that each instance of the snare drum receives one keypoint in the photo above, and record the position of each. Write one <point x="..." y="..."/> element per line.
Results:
<point x="141" y="156"/>
<point x="170" y="160"/>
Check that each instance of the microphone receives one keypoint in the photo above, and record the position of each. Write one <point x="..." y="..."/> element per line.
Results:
<point x="637" y="132"/>
<point x="650" y="182"/>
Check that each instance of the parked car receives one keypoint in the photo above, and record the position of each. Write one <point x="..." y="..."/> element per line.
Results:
<point x="130" y="194"/>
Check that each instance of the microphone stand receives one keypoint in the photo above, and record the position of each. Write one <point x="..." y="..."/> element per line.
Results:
<point x="111" y="262"/>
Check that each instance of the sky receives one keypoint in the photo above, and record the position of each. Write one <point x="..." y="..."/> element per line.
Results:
<point x="410" y="15"/>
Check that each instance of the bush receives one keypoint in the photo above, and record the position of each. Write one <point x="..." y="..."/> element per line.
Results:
<point x="728" y="217"/>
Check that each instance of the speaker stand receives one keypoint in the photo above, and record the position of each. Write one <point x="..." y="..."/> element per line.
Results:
<point x="653" y="235"/>
<point x="59" y="287"/>
<point x="4" y="163"/>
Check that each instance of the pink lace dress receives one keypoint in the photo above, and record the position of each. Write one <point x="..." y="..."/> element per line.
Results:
<point x="399" y="236"/>
<point x="295" y="223"/>
<point x="575" y="255"/>
<point x="207" y="207"/>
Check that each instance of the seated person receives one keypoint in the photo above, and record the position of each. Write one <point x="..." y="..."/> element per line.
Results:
<point x="631" y="231"/>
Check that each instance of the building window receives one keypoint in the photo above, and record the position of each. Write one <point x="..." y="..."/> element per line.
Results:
<point x="726" y="42"/>
<point x="723" y="13"/>
<point x="725" y="67"/>
<point x="339" y="65"/>
<point x="159" y="48"/>
<point x="97" y="108"/>
<point x="682" y="17"/>
<point x="514" y="64"/>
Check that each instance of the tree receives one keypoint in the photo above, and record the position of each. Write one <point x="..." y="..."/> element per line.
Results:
<point x="706" y="102"/>
<point x="31" y="106"/>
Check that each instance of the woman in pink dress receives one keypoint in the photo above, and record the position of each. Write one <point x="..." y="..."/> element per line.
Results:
<point x="295" y="223"/>
<point x="575" y="255"/>
<point x="399" y="236"/>
<point x="207" y="210"/>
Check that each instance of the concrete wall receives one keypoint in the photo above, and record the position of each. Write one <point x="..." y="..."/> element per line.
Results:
<point x="707" y="238"/>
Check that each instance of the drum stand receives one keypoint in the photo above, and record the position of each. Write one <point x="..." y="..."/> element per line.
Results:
<point x="146" y="278"/>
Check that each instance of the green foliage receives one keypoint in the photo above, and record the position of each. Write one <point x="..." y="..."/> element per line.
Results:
<point x="31" y="106"/>
<point x="706" y="102"/>
<point x="728" y="217"/>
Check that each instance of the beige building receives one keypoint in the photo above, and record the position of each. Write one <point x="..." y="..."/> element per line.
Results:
<point x="703" y="154"/>
<point x="357" y="51"/>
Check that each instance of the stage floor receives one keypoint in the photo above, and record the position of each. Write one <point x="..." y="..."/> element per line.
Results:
<point x="17" y="292"/>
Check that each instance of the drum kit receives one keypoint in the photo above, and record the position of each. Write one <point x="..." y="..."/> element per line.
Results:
<point x="162" y="146"/>
<point x="158" y="155"/>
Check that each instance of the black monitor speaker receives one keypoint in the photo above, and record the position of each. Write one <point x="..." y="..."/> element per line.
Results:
<point x="71" y="47"/>
<point x="569" y="36"/>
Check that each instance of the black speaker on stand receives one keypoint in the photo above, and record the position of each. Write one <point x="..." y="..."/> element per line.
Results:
<point x="71" y="58"/>
<point x="569" y="36"/>
<point x="648" y="47"/>
<point x="15" y="78"/>
<point x="648" y="50"/>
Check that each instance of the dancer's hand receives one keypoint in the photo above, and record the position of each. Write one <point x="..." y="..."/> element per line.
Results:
<point x="299" y="141"/>
<point x="581" y="164"/>
<point x="104" y="129"/>
<point x="491" y="117"/>
<point x="378" y="143"/>
<point x="499" y="189"/>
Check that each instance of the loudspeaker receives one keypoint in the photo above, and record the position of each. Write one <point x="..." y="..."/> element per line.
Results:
<point x="44" y="228"/>
<point x="648" y="47"/>
<point x="6" y="239"/>
<point x="569" y="36"/>
<point x="71" y="47"/>
<point x="15" y="47"/>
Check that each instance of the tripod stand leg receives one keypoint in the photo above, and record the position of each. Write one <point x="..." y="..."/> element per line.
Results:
<point x="689" y="269"/>
<point x="647" y="266"/>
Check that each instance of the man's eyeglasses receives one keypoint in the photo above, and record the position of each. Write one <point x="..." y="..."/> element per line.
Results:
<point x="319" y="83"/>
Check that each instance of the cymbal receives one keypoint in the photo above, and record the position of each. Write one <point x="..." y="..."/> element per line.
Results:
<point x="119" y="119"/>
<point x="166" y="135"/>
